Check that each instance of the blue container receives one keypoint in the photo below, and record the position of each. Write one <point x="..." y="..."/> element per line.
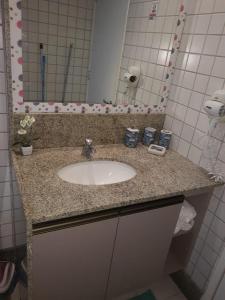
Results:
<point x="149" y="136"/>
<point x="165" y="138"/>
<point x="131" y="138"/>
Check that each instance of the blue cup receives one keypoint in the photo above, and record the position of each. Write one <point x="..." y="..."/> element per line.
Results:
<point x="131" y="138"/>
<point x="165" y="138"/>
<point x="149" y="136"/>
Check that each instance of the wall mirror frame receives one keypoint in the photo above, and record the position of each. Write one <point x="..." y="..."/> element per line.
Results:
<point x="19" y="105"/>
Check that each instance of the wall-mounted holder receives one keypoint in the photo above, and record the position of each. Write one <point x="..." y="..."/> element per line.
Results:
<point x="132" y="78"/>
<point x="215" y="108"/>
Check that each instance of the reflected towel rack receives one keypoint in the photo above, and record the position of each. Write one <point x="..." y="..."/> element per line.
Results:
<point x="42" y="62"/>
<point x="66" y="73"/>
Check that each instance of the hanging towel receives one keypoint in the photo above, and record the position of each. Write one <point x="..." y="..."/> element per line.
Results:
<point x="186" y="218"/>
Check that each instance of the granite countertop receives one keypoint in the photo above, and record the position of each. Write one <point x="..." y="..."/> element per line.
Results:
<point x="46" y="197"/>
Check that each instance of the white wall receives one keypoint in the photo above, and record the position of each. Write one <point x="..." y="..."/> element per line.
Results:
<point x="217" y="281"/>
<point x="12" y="224"/>
<point x="109" y="30"/>
<point x="200" y="70"/>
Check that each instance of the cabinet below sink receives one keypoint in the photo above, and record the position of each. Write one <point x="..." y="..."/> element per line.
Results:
<point x="90" y="242"/>
<point x="103" y="255"/>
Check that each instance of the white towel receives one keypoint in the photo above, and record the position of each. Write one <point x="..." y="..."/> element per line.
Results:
<point x="186" y="218"/>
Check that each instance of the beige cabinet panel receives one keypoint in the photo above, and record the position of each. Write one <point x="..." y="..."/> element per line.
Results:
<point x="73" y="263"/>
<point x="141" y="249"/>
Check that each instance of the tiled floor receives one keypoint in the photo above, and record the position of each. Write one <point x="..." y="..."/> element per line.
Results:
<point x="166" y="289"/>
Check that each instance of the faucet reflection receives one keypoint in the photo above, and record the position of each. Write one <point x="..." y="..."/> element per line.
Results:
<point x="88" y="149"/>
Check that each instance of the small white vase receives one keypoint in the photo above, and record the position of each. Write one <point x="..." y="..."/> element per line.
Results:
<point x="27" y="150"/>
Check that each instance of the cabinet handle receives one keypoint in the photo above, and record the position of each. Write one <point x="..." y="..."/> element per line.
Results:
<point x="73" y="221"/>
<point x="156" y="204"/>
<point x="103" y="215"/>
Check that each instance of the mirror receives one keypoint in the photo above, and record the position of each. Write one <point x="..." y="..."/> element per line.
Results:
<point x="95" y="51"/>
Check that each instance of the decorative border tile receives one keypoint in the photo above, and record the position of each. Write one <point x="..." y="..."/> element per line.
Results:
<point x="16" y="51"/>
<point x="174" y="53"/>
<point x="19" y="105"/>
<point x="86" y="108"/>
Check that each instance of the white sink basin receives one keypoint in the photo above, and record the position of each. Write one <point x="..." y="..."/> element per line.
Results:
<point x="99" y="172"/>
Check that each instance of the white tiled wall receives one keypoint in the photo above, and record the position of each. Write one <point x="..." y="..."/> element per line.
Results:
<point x="200" y="70"/>
<point x="11" y="213"/>
<point x="148" y="44"/>
<point x="57" y="24"/>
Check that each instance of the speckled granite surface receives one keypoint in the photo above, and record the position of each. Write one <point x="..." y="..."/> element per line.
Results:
<point x="70" y="130"/>
<point x="47" y="197"/>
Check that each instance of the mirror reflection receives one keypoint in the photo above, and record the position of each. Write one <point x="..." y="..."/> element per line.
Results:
<point x="95" y="51"/>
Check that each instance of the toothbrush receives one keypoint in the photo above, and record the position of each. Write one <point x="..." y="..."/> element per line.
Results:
<point x="42" y="62"/>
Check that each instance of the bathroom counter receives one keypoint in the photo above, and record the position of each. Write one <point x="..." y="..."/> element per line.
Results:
<point x="46" y="197"/>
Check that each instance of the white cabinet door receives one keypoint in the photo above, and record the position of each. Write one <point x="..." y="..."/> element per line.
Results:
<point x="141" y="249"/>
<point x="73" y="263"/>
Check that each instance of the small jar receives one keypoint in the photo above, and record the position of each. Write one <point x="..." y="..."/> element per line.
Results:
<point x="131" y="137"/>
<point x="149" y="136"/>
<point x="165" y="138"/>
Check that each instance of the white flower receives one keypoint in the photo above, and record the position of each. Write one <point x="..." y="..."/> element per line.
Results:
<point x="23" y="123"/>
<point x="30" y="121"/>
<point x="27" y="118"/>
<point x="27" y="121"/>
<point x="22" y="131"/>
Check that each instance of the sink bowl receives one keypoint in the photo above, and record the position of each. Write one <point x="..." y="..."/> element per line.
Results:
<point x="99" y="172"/>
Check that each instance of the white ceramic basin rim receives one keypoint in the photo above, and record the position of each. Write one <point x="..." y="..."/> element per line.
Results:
<point x="100" y="172"/>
